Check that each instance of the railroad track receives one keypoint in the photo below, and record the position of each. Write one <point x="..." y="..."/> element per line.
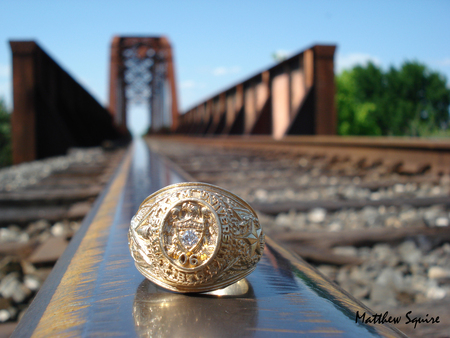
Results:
<point x="95" y="289"/>
<point x="306" y="198"/>
<point x="340" y="204"/>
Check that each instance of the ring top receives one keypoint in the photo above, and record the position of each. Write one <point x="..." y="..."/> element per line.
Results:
<point x="195" y="237"/>
<point x="191" y="227"/>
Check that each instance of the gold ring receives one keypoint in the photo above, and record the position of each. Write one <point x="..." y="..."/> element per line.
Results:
<point x="195" y="237"/>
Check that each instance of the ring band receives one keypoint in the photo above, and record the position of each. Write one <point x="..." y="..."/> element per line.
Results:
<point x="195" y="237"/>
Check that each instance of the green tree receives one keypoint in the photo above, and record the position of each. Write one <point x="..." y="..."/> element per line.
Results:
<point x="356" y="93"/>
<point x="410" y="101"/>
<point x="5" y="136"/>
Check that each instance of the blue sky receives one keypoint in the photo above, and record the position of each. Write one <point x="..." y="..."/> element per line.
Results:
<point x="219" y="43"/>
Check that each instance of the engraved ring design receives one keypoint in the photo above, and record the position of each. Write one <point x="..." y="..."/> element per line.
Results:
<point x="195" y="237"/>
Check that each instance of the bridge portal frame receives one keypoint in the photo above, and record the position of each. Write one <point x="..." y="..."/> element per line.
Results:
<point x="118" y="100"/>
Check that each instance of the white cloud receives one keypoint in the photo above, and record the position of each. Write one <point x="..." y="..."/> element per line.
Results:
<point x="5" y="71"/>
<point x="219" y="71"/>
<point x="188" y="84"/>
<point x="281" y="55"/>
<point x="353" y="59"/>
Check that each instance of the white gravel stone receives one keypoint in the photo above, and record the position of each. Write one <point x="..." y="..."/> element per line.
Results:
<point x="303" y="162"/>
<point x="261" y="194"/>
<point x="6" y="235"/>
<point x="10" y="287"/>
<point x="60" y="229"/>
<point x="4" y="315"/>
<point x="32" y="283"/>
<point x="375" y="196"/>
<point x="409" y="252"/>
<point x="442" y="222"/>
<point x="436" y="272"/>
<point x="335" y="226"/>
<point x="436" y="293"/>
<point x="391" y="277"/>
<point x="399" y="188"/>
<point x="317" y="215"/>
<point x="283" y="220"/>
<point x="381" y="294"/>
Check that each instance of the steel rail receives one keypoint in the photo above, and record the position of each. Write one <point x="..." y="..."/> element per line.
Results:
<point x="95" y="289"/>
<point x="412" y="154"/>
<point x="379" y="142"/>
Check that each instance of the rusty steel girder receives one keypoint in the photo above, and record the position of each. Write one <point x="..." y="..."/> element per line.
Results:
<point x="294" y="97"/>
<point x="52" y="112"/>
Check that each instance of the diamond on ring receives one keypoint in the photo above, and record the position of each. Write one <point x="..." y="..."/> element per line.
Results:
<point x="195" y="237"/>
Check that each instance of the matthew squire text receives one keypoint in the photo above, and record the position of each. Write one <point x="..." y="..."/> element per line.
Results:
<point x="383" y="318"/>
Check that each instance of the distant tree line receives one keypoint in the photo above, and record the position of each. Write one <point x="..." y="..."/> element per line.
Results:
<point x="5" y="136"/>
<point x="409" y="101"/>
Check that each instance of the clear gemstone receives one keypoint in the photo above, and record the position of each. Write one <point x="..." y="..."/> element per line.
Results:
<point x="189" y="238"/>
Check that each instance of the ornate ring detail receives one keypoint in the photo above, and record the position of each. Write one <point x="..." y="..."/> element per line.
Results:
<point x="195" y="237"/>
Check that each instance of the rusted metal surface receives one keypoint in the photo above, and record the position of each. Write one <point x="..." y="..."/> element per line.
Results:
<point x="52" y="112"/>
<point x="96" y="290"/>
<point x="293" y="97"/>
<point x="140" y="70"/>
